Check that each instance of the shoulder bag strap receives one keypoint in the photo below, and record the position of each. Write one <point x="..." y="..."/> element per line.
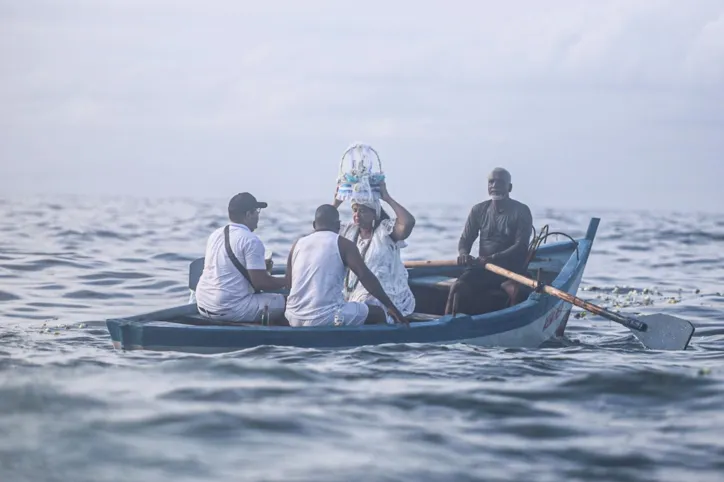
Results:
<point x="235" y="260"/>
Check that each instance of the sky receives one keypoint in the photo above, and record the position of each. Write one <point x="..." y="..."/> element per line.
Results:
<point x="610" y="105"/>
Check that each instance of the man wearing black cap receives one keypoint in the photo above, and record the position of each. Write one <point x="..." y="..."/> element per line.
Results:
<point x="235" y="269"/>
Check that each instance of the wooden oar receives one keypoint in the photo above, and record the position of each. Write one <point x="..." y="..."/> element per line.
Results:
<point x="657" y="331"/>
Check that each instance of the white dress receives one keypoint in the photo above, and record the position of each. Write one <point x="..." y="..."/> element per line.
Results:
<point x="382" y="256"/>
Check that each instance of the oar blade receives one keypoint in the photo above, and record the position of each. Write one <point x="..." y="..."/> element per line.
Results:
<point x="665" y="332"/>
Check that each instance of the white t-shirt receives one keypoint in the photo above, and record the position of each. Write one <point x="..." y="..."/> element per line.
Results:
<point x="222" y="287"/>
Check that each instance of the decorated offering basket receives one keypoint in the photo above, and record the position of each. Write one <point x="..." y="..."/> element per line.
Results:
<point x="357" y="173"/>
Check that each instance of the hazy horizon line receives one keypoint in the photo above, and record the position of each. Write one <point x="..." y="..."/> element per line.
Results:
<point x="316" y="201"/>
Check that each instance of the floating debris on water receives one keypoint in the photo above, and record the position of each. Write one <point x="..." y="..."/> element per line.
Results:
<point x="622" y="298"/>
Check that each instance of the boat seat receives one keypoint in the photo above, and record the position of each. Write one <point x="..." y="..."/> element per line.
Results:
<point x="432" y="281"/>
<point x="423" y="317"/>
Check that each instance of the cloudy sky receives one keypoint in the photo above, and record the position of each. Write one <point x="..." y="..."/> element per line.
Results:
<point x="602" y="104"/>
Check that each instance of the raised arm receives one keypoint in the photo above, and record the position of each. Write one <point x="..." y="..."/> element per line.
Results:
<point x="336" y="203"/>
<point x="353" y="260"/>
<point x="404" y="221"/>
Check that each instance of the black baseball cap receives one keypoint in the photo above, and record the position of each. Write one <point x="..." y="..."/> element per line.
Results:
<point x="244" y="202"/>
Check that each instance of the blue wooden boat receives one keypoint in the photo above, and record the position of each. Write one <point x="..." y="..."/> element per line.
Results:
<point x="528" y="321"/>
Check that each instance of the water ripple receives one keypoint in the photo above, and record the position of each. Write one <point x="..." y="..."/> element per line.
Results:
<point x="592" y="406"/>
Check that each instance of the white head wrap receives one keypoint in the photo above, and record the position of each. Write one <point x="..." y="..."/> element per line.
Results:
<point x="372" y="204"/>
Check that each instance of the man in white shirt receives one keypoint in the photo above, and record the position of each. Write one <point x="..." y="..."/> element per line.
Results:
<point x="235" y="269"/>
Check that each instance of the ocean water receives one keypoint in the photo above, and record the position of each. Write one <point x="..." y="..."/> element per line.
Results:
<point x="595" y="407"/>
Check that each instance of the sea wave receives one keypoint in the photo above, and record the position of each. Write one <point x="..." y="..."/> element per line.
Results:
<point x="594" y="405"/>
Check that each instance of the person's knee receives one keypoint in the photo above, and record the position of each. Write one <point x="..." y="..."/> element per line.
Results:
<point x="375" y="315"/>
<point x="460" y="288"/>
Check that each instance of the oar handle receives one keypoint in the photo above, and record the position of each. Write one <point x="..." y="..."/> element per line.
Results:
<point x="538" y="286"/>
<point x="431" y="263"/>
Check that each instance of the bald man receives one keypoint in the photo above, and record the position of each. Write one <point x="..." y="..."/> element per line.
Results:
<point x="316" y="269"/>
<point x="505" y="227"/>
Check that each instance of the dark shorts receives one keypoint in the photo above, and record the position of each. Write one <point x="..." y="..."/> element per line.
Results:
<point x="475" y="291"/>
<point x="480" y="279"/>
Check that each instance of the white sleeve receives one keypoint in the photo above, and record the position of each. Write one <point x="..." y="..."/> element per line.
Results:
<point x="385" y="230"/>
<point x="253" y="251"/>
<point x="386" y="227"/>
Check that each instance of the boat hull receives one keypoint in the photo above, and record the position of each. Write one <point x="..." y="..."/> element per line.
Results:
<point x="526" y="325"/>
<point x="530" y="335"/>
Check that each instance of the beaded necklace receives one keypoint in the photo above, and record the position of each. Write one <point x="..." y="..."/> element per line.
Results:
<point x="363" y="252"/>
